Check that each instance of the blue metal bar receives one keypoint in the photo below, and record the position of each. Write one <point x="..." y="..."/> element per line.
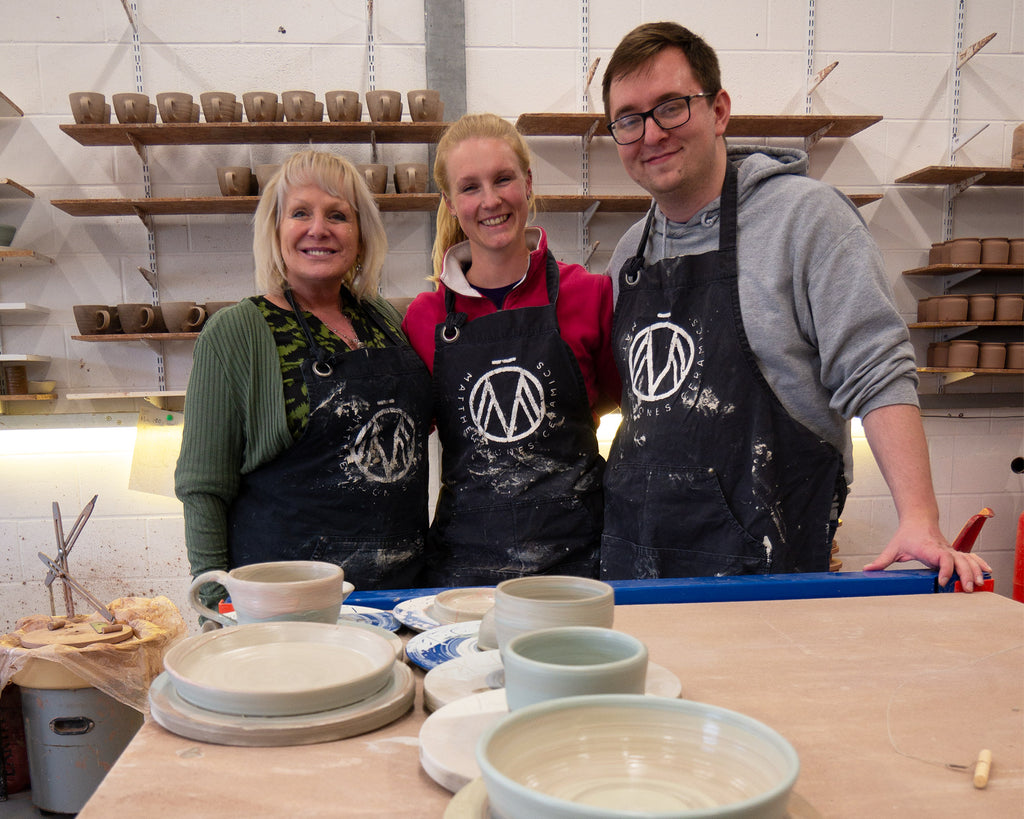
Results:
<point x="721" y="589"/>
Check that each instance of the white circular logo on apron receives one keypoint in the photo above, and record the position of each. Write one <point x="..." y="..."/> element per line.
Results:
<point x="507" y="404"/>
<point x="660" y="358"/>
<point x="385" y="448"/>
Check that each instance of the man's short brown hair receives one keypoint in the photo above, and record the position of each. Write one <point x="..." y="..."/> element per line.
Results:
<point x="646" y="41"/>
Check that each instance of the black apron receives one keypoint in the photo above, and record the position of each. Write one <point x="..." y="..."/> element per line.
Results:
<point x="353" y="489"/>
<point x="708" y="473"/>
<point x="520" y="469"/>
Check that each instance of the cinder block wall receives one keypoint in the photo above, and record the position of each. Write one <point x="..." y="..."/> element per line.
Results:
<point x="895" y="59"/>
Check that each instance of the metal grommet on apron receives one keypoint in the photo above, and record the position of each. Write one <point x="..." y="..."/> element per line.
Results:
<point x="708" y="473"/>
<point x="521" y="473"/>
<point x="352" y="490"/>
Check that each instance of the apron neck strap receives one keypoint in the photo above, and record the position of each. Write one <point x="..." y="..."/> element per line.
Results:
<point x="729" y="198"/>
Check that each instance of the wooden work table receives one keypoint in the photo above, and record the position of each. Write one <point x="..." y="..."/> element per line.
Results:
<point x="875" y="693"/>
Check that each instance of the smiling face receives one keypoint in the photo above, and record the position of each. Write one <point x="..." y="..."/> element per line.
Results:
<point x="489" y="195"/>
<point x="682" y="168"/>
<point x="319" y="237"/>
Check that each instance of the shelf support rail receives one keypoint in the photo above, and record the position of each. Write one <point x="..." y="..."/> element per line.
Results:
<point x="153" y="280"/>
<point x="810" y="55"/>
<point x="588" y="76"/>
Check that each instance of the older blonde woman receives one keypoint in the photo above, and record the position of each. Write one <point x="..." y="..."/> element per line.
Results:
<point x="307" y="412"/>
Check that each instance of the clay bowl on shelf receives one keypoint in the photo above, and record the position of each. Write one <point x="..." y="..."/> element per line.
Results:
<point x="610" y="755"/>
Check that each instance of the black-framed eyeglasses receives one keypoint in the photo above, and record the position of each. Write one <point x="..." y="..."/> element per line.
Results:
<point x="668" y="115"/>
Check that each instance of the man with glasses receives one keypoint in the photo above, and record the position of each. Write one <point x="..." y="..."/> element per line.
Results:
<point x="753" y="319"/>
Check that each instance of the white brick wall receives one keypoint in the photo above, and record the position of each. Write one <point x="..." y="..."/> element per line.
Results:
<point x="894" y="60"/>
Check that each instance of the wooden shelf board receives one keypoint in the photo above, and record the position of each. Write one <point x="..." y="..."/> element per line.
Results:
<point x="8" y="108"/>
<point x="239" y="133"/>
<point x="9" y="189"/>
<point x="938" y="325"/>
<point x="29" y="358"/>
<point x="975" y="370"/>
<point x="22" y="307"/>
<point x="862" y="199"/>
<point x="138" y="337"/>
<point x="145" y="394"/>
<point x="753" y="125"/>
<point x="21" y="258"/>
<point x="952" y="174"/>
<point x="946" y="269"/>
<point x="49" y="396"/>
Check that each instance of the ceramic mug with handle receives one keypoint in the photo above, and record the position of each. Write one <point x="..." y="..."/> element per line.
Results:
<point x="306" y="590"/>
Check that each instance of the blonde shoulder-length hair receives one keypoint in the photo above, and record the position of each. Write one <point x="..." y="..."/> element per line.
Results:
<point x="469" y="126"/>
<point x="336" y="176"/>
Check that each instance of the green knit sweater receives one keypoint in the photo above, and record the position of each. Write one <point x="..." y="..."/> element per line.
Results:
<point x="234" y="422"/>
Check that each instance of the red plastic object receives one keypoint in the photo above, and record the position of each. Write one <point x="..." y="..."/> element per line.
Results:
<point x="1018" y="563"/>
<point x="964" y="541"/>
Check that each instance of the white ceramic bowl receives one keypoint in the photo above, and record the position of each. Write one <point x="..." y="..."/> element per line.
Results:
<point x="617" y="755"/>
<point x="462" y="604"/>
<point x="279" y="669"/>
<point x="547" y="601"/>
<point x="572" y="661"/>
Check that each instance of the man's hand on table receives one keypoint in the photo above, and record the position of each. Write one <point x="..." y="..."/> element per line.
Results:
<point x="927" y="545"/>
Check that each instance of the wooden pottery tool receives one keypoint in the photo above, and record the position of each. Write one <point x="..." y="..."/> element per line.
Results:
<point x="75" y="634"/>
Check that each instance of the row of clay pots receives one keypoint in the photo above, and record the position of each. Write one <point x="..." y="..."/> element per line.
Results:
<point x="985" y="355"/>
<point x="133" y="319"/>
<point x="990" y="250"/>
<point x="973" y="307"/>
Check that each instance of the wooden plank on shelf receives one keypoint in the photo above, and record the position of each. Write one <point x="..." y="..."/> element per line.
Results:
<point x="862" y="199"/>
<point x="138" y="337"/>
<point x="975" y="370"/>
<point x="144" y="394"/>
<point x="946" y="269"/>
<point x="938" y="325"/>
<point x="9" y="189"/>
<point x="8" y="108"/>
<point x="21" y="258"/>
<point x="23" y="358"/>
<point x="48" y="396"/>
<point x="750" y="125"/>
<point x="952" y="174"/>
<point x="264" y="133"/>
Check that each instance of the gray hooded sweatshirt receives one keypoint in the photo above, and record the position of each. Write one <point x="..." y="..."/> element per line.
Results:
<point x="816" y="304"/>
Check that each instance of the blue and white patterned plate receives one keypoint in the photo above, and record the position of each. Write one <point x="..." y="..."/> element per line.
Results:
<point x="367" y="614"/>
<point x="439" y="645"/>
<point x="415" y="613"/>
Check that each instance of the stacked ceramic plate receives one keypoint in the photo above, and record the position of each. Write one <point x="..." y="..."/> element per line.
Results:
<point x="281" y="683"/>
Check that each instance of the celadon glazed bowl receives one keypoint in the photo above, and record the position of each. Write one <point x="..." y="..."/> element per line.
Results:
<point x="626" y="755"/>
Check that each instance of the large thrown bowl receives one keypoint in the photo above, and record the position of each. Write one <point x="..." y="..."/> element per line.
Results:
<point x="624" y="755"/>
<point x="280" y="668"/>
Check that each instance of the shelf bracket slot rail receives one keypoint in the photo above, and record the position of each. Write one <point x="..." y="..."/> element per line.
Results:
<point x="588" y="76"/>
<point x="147" y="219"/>
<point x="810" y="56"/>
<point x="949" y="194"/>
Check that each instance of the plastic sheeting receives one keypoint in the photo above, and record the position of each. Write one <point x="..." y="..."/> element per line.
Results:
<point x="122" y="670"/>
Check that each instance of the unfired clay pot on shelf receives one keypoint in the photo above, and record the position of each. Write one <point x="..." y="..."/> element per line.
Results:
<point x="951" y="308"/>
<point x="938" y="354"/>
<point x="963" y="353"/>
<point x="992" y="355"/>
<point x="995" y="250"/>
<point x="1009" y="307"/>
<point x="1015" y="355"/>
<point x="964" y="251"/>
<point x="981" y="307"/>
<point x="1016" y="251"/>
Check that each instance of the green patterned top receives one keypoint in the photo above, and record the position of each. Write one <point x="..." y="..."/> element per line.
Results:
<point x="292" y="349"/>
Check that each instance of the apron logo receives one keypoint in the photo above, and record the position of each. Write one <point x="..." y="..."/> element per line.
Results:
<point x="660" y="358"/>
<point x="385" y="448"/>
<point x="507" y="404"/>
